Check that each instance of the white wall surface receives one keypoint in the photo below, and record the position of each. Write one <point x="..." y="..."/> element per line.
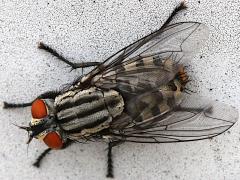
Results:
<point x="93" y="30"/>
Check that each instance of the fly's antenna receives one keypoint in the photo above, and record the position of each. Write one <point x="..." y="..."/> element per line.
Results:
<point x="28" y="129"/>
<point x="30" y="138"/>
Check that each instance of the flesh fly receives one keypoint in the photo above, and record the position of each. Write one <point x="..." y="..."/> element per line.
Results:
<point x="137" y="95"/>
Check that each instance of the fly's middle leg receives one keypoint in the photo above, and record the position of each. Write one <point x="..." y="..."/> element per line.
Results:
<point x="110" y="159"/>
<point x="63" y="59"/>
<point x="109" y="162"/>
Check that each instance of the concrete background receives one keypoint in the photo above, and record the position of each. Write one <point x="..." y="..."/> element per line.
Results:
<point x="93" y="30"/>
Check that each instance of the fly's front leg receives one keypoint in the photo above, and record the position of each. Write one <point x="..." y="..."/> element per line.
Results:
<point x="63" y="59"/>
<point x="46" y="95"/>
<point x="44" y="153"/>
<point x="7" y="105"/>
<point x="40" y="157"/>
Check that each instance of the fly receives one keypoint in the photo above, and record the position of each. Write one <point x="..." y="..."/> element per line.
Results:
<point x="137" y="95"/>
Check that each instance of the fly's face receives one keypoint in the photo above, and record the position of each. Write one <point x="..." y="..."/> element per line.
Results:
<point x="43" y="125"/>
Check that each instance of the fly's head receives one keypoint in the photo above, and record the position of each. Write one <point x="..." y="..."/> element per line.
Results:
<point x="43" y="125"/>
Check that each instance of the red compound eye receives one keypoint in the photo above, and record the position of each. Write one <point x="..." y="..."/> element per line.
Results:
<point x="39" y="109"/>
<point x="53" y="140"/>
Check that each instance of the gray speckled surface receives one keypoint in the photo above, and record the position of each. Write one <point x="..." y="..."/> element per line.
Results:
<point x="93" y="30"/>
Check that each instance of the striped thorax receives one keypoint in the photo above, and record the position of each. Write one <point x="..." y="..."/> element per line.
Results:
<point x="82" y="113"/>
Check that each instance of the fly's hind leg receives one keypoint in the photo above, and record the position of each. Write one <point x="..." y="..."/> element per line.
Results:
<point x="63" y="59"/>
<point x="180" y="7"/>
<point x="46" y="95"/>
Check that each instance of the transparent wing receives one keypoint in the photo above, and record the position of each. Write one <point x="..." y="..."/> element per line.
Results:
<point x="180" y="39"/>
<point x="195" y="119"/>
<point x="136" y="67"/>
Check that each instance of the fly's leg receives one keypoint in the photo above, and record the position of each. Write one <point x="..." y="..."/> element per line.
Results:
<point x="109" y="162"/>
<point x="109" y="156"/>
<point x="180" y="7"/>
<point x="46" y="95"/>
<point x="63" y="59"/>
<point x="7" y="105"/>
<point x="44" y="153"/>
<point x="39" y="159"/>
